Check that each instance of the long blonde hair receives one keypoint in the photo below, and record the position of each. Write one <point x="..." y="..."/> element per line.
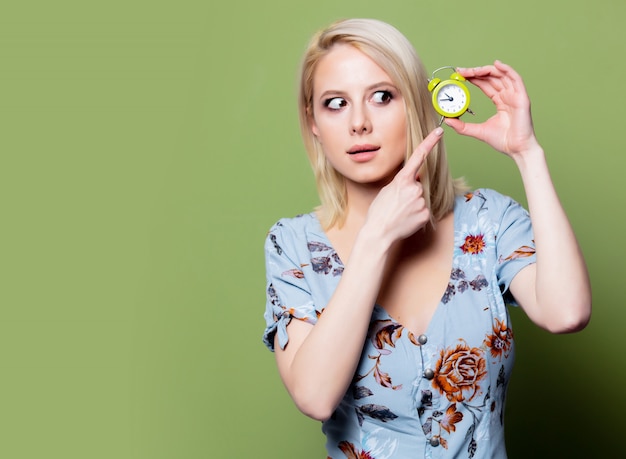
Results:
<point x="392" y="51"/>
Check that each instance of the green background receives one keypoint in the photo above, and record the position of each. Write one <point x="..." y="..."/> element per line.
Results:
<point x="147" y="146"/>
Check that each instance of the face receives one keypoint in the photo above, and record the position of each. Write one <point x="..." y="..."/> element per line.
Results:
<point x="358" y="117"/>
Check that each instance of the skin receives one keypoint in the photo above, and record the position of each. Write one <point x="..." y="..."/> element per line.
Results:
<point x="356" y="106"/>
<point x="555" y="292"/>
<point x="389" y="251"/>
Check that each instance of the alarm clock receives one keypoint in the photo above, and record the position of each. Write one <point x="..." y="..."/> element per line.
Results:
<point x="450" y="97"/>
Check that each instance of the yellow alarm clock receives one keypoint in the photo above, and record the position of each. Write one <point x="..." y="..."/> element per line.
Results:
<point x="451" y="98"/>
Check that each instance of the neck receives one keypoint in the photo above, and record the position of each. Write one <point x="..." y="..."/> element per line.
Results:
<point x="360" y="197"/>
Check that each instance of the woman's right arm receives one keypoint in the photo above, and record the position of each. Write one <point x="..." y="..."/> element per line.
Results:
<point x="319" y="362"/>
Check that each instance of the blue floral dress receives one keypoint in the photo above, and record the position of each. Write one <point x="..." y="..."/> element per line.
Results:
<point x="436" y="395"/>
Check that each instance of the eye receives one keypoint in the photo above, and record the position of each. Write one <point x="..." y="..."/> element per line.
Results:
<point x="335" y="103"/>
<point x="382" y="97"/>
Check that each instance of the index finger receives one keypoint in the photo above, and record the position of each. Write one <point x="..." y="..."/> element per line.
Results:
<point x="497" y="69"/>
<point x="415" y="161"/>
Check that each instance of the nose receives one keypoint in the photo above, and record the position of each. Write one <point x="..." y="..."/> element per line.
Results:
<point x="360" y="122"/>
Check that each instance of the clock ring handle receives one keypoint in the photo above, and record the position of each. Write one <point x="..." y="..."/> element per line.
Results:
<point x="441" y="68"/>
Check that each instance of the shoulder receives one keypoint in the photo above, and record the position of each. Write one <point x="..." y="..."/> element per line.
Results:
<point x="291" y="233"/>
<point x="486" y="200"/>
<point x="482" y="196"/>
<point x="294" y="227"/>
<point x="490" y="212"/>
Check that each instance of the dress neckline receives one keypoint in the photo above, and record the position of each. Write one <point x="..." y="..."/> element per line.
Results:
<point x="379" y="310"/>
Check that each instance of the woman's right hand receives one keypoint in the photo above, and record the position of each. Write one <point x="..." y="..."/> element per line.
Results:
<point x="400" y="209"/>
<point x="319" y="362"/>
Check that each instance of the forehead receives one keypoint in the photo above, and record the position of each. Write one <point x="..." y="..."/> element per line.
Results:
<point x="345" y="67"/>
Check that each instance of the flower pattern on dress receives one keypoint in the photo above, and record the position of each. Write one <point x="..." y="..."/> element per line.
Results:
<point x="277" y="247"/>
<point x="451" y="382"/>
<point x="522" y="252"/>
<point x="381" y="333"/>
<point x="294" y="272"/>
<point x="352" y="452"/>
<point x="459" y="284"/>
<point x="450" y="418"/>
<point x="458" y="376"/>
<point x="469" y="196"/>
<point x="447" y="422"/>
<point x="459" y="371"/>
<point x="474" y="244"/>
<point x="324" y="264"/>
<point x="500" y="341"/>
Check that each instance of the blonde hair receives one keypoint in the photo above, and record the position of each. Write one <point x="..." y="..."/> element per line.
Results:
<point x="391" y="50"/>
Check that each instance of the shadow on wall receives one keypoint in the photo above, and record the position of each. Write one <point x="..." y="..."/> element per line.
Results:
<point x="553" y="407"/>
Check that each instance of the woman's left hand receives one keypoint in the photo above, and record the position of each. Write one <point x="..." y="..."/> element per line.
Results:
<point x="560" y="268"/>
<point x="510" y="130"/>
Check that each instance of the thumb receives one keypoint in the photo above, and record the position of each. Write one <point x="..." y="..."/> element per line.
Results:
<point x="463" y="128"/>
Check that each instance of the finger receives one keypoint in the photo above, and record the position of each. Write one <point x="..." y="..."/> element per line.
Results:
<point x="506" y="69"/>
<point x="499" y="71"/>
<point x="493" y="72"/>
<point x="489" y="87"/>
<point x="515" y="78"/>
<point x="478" y="72"/>
<point x="484" y="70"/>
<point x="420" y="153"/>
<point x="487" y="78"/>
<point x="463" y="128"/>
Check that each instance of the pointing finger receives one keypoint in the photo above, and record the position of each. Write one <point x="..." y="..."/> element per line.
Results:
<point x="413" y="164"/>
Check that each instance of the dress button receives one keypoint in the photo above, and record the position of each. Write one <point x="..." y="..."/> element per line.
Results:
<point x="429" y="374"/>
<point x="434" y="441"/>
<point x="422" y="339"/>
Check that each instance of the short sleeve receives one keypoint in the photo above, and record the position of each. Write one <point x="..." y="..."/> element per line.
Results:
<point x="288" y="294"/>
<point x="515" y="245"/>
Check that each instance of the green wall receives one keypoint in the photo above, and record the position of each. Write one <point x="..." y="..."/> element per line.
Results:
<point x="147" y="146"/>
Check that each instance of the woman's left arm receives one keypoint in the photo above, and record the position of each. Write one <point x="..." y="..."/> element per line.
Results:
<point x="555" y="292"/>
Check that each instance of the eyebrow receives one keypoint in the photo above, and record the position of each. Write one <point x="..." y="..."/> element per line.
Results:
<point x="336" y="92"/>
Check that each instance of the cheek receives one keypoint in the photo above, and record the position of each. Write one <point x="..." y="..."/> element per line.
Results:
<point x="400" y="136"/>
<point x="396" y="126"/>
<point x="325" y="132"/>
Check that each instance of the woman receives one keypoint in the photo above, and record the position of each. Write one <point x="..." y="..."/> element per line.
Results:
<point x="402" y="343"/>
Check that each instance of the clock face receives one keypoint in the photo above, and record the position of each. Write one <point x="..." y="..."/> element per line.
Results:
<point x="452" y="99"/>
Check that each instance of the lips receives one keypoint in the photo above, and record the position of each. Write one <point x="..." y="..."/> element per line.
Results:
<point x="356" y="149"/>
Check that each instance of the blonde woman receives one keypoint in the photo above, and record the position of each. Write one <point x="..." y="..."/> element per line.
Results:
<point x="386" y="306"/>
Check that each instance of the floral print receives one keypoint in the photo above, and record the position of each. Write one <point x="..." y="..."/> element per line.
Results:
<point x="458" y="284"/>
<point x="521" y="252"/>
<point x="440" y="394"/>
<point x="500" y="341"/>
<point x="351" y="452"/>
<point x="446" y="421"/>
<point x="324" y="264"/>
<point x="381" y="333"/>
<point x="474" y="244"/>
<point x="459" y="371"/>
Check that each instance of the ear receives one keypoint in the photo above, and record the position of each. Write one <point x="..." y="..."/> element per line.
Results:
<point x="314" y="129"/>
<point x="311" y="120"/>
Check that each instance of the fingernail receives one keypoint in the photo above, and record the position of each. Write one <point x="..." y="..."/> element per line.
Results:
<point x="439" y="131"/>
